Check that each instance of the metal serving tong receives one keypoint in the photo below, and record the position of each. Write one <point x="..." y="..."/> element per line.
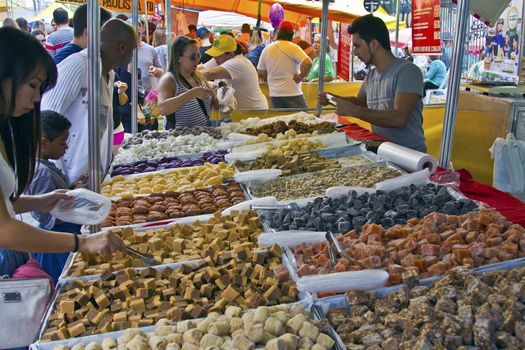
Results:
<point x="145" y="258"/>
<point x="331" y="242"/>
<point x="291" y="206"/>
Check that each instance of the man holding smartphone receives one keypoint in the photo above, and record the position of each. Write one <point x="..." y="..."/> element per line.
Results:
<point x="391" y="96"/>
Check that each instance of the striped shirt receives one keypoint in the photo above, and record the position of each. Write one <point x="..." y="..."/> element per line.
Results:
<point x="191" y="113"/>
<point x="56" y="40"/>
<point x="70" y="98"/>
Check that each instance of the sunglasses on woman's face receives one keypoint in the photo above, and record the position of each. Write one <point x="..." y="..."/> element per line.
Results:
<point x="194" y="56"/>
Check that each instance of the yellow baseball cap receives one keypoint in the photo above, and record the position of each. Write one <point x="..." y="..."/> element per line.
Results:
<point x="223" y="44"/>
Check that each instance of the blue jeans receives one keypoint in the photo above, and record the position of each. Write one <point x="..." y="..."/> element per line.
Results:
<point x="289" y="102"/>
<point x="53" y="263"/>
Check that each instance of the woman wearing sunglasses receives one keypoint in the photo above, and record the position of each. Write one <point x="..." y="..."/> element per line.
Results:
<point x="184" y="96"/>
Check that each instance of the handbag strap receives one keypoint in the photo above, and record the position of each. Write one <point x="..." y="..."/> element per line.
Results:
<point x="199" y="101"/>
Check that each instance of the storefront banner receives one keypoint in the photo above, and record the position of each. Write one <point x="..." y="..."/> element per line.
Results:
<point x="118" y="5"/>
<point x="426" y="27"/>
<point x="343" y="53"/>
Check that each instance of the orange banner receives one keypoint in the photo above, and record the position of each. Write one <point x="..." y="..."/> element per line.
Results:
<point x="118" y="5"/>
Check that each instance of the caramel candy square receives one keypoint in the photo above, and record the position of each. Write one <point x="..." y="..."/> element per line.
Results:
<point x="272" y="293"/>
<point x="138" y="305"/>
<point x="120" y="317"/>
<point x="76" y="330"/>
<point x="67" y="306"/>
<point x="102" y="301"/>
<point x="230" y="293"/>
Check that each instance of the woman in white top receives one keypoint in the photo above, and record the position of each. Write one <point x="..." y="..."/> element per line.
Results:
<point x="235" y="67"/>
<point x="26" y="72"/>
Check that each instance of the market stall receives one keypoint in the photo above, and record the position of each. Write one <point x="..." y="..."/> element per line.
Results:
<point x="287" y="232"/>
<point x="229" y="248"/>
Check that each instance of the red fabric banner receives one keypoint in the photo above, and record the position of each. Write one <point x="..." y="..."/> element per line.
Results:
<point x="426" y="27"/>
<point x="343" y="53"/>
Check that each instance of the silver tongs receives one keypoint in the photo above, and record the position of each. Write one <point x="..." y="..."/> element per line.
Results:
<point x="332" y="240"/>
<point x="291" y="206"/>
<point x="145" y="258"/>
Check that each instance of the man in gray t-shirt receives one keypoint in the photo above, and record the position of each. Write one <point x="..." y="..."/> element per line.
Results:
<point x="391" y="96"/>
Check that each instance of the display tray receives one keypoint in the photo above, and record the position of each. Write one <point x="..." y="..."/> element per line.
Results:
<point x="250" y="186"/>
<point x="65" y="275"/>
<point x="322" y="306"/>
<point x="307" y="304"/>
<point x="183" y="219"/>
<point x="332" y="278"/>
<point x="342" y="154"/>
<point x="301" y="203"/>
<point x="62" y="287"/>
<point x="167" y="160"/>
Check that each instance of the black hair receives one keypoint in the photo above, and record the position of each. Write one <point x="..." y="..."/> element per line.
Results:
<point x="60" y="16"/>
<point x="369" y="28"/>
<point x="53" y="124"/>
<point x="22" y="24"/>
<point x="177" y="50"/>
<point x="21" y="135"/>
<point x="245" y="28"/>
<point x="80" y="19"/>
<point x="192" y="27"/>
<point x="285" y="35"/>
<point x="36" y="32"/>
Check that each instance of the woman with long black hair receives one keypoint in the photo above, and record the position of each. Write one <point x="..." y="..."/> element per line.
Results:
<point x="184" y="95"/>
<point x="26" y="72"/>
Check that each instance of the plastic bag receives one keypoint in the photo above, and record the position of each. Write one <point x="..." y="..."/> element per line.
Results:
<point x="343" y="281"/>
<point x="227" y="101"/>
<point x="292" y="238"/>
<point x="509" y="164"/>
<point x="417" y="178"/>
<point x="258" y="176"/>
<point x="86" y="208"/>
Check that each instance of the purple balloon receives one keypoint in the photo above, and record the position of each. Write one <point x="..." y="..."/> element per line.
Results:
<point x="276" y="15"/>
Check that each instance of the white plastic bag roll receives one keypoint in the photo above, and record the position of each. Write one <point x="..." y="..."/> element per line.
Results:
<point x="407" y="158"/>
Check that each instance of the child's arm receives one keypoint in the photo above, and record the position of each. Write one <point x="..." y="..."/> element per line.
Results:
<point x="42" y="183"/>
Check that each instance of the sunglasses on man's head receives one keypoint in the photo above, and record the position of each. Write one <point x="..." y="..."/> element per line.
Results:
<point x="194" y="56"/>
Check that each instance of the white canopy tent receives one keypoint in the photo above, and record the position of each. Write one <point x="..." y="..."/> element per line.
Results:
<point x="212" y="18"/>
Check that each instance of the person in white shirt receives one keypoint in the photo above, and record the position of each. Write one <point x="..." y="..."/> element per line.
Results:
<point x="284" y="65"/>
<point x="238" y="70"/>
<point x="69" y="97"/>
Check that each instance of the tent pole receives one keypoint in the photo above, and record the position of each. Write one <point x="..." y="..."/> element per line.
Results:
<point x="94" y="98"/>
<point x="146" y="24"/>
<point x="134" y="70"/>
<point x="451" y="106"/>
<point x="322" y="54"/>
<point x="258" y="25"/>
<point x="167" y="19"/>
<point x="397" y="25"/>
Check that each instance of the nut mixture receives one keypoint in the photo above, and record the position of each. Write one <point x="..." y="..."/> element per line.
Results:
<point x="132" y="299"/>
<point x="173" y="180"/>
<point x="274" y="327"/>
<point x="171" y="205"/>
<point x="176" y="243"/>
<point x="422" y="247"/>
<point x="314" y="185"/>
<point x="461" y="311"/>
<point x="290" y="164"/>
<point x="280" y="127"/>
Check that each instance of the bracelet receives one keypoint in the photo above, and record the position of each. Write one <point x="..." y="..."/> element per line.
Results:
<point x="76" y="243"/>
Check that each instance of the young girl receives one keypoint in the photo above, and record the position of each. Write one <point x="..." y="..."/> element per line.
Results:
<point x="26" y="72"/>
